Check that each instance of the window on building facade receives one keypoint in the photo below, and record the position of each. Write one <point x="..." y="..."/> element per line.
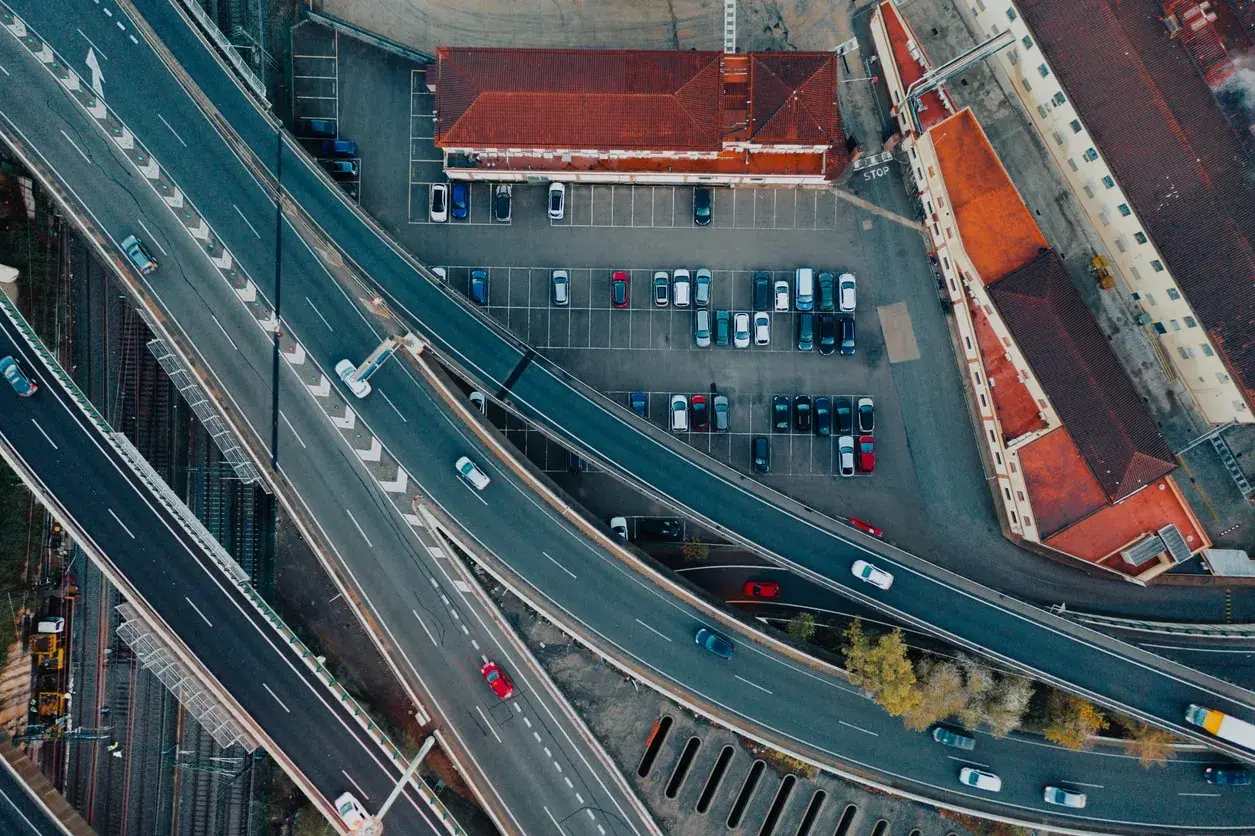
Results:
<point x="1027" y="41"/>
<point x="1043" y="70"/>
<point x="1090" y="155"/>
<point x="1072" y="164"/>
<point x="1159" y="329"/>
<point x="1191" y="322"/>
<point x="1028" y="88"/>
<point x="1173" y="293"/>
<point x="1041" y="111"/>
<point x="1108" y="182"/>
<point x="1150" y="298"/>
<point x="1156" y="265"/>
<point x="1176" y="326"/>
<point x="1222" y="377"/>
<point x="1135" y="296"/>
<point x="1058" y="137"/>
<point x="1139" y="237"/>
<point x="1076" y="126"/>
<point x="1181" y="351"/>
<point x="1120" y="243"/>
<point x="1059" y="99"/>
<point x="1010" y="14"/>
<point x="1013" y="55"/>
<point x="1125" y="210"/>
<point x="1207" y="352"/>
<point x="1088" y="191"/>
<point x="980" y="5"/>
<point x="1136" y="274"/>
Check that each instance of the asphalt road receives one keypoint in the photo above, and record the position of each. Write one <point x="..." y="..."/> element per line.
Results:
<point x="643" y="624"/>
<point x="20" y="814"/>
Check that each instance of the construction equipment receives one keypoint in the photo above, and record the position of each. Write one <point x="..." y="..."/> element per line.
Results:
<point x="1098" y="266"/>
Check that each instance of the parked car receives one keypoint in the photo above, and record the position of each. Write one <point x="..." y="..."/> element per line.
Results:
<point x="681" y="288"/>
<point x="659" y="529"/>
<point x="723" y="327"/>
<point x="827" y="292"/>
<point x="823" y="416"/>
<point x="780" y="413"/>
<point x="23" y="385"/>
<point x="981" y="780"/>
<point x="557" y="201"/>
<point x="1229" y="775"/>
<point x="438" y="193"/>
<point x="1064" y="797"/>
<point x="827" y="334"/>
<point x="866" y="415"/>
<point x="741" y="330"/>
<point x="760" y="451"/>
<point x="351" y="811"/>
<point x="762" y="290"/>
<point x="714" y="642"/>
<point x="782" y="296"/>
<point x="338" y="148"/>
<point x="478" y="401"/>
<point x="845" y="416"/>
<point x="701" y="327"/>
<point x="762" y="328"/>
<point x="866" y="453"/>
<point x="662" y="289"/>
<point x="639" y="402"/>
<point x="866" y="527"/>
<point x="702" y="206"/>
<point x="847" y="335"/>
<point x="618" y="525"/>
<point x="873" y="575"/>
<point x="804" y="289"/>
<point x="479" y="286"/>
<point x="947" y="736"/>
<point x="805" y="331"/>
<point x="802" y="413"/>
<point x="460" y="200"/>
<point x="469" y="471"/>
<point x="342" y="168"/>
<point x="846" y="292"/>
<point x="619" y="289"/>
<point x="138" y="254"/>
<point x="845" y="455"/>
<point x="561" y="284"/>
<point x="317" y="127"/>
<point x="761" y="589"/>
<point x="344" y="371"/>
<point x="719" y="405"/>
<point x="702" y="280"/>
<point x="501" y="203"/>
<point x="701" y="413"/>
<point x="679" y="413"/>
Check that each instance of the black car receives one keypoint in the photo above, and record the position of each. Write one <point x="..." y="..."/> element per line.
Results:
<point x="847" y="335"/>
<point x="479" y="286"/>
<point x="845" y="416"/>
<point x="659" y="529"/>
<point x="802" y="413"/>
<point x="823" y="416"/>
<point x="501" y="204"/>
<point x="762" y="291"/>
<point x="701" y="206"/>
<point x="761" y="450"/>
<point x="780" y="413"/>
<point x="827" y="334"/>
<point x="1227" y="776"/>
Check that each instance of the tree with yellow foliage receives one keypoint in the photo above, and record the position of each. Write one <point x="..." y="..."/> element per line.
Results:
<point x="881" y="667"/>
<point x="1071" y="721"/>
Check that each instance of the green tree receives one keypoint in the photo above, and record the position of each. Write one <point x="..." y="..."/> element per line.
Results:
<point x="941" y="691"/>
<point x="1151" y="744"/>
<point x="881" y="667"/>
<point x="1071" y="721"/>
<point x="802" y="626"/>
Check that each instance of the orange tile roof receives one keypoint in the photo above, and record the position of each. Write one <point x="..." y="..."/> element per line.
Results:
<point x="812" y="165"/>
<point x="932" y="109"/>
<point x="793" y="98"/>
<point x="1061" y="488"/>
<point x="999" y="235"/>
<point x="1117" y="526"/>
<point x="1018" y="411"/>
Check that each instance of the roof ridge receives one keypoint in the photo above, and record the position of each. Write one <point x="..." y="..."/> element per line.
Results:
<point x="715" y="63"/>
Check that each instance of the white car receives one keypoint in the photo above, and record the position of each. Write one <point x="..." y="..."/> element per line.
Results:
<point x="846" y="296"/>
<point x="762" y="328"/>
<point x="478" y="401"/>
<point x="619" y="526"/>
<point x="557" y="201"/>
<point x="845" y="455"/>
<point x="679" y="413"/>
<point x="344" y="370"/>
<point x="439" y="199"/>
<point x="351" y="811"/>
<point x="441" y="274"/>
<point x="741" y="330"/>
<point x="782" y="296"/>
<point x="681" y="288"/>
<point x="1065" y="797"/>
<point x="704" y="280"/>
<point x="873" y="575"/>
<point x="560" y="283"/>
<point x="468" y="470"/>
<point x="981" y="780"/>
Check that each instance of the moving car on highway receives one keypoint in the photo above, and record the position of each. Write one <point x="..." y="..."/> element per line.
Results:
<point x="23" y="385"/>
<point x="469" y="471"/>
<point x="714" y="642"/>
<point x="981" y="780"/>
<point x="138" y="255"/>
<point x="344" y="371"/>
<point x="620" y="527"/>
<point x="873" y="575"/>
<point x="351" y="811"/>
<point x="761" y="589"/>
<point x="947" y="736"/>
<point x="1064" y="797"/>
<point x="497" y="680"/>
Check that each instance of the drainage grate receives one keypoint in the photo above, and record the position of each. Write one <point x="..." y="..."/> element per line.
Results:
<point x="746" y="793"/>
<point x="777" y="805"/>
<point x="881" y="828"/>
<point x="656" y="739"/>
<point x="682" y="768"/>
<point x="812" y="813"/>
<point x="716" y="776"/>
<point x="847" y="818"/>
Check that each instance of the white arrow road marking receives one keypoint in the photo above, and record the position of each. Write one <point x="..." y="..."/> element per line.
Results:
<point x="98" y="78"/>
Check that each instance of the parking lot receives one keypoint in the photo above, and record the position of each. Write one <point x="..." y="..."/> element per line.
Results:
<point x="316" y="96"/>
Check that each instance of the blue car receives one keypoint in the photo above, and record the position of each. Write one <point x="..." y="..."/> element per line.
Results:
<point x="460" y="200"/>
<point x="639" y="401"/>
<point x="714" y="642"/>
<point x="479" y="286"/>
<point x="23" y="385"/>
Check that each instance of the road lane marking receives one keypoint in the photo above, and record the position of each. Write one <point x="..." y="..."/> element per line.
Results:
<point x="172" y="130"/>
<point x="1201" y="794"/>
<point x="198" y="612"/>
<point x="292" y="428"/>
<point x="753" y="684"/>
<point x="537" y="736"/>
<point x="474" y="644"/>
<point x="548" y="754"/>
<point x="3" y="70"/>
<point x="391" y="404"/>
<point x="590" y="814"/>
<point x="474" y="492"/>
<point x="425" y="630"/>
<point x="99" y="51"/>
<point x="652" y="630"/>
<point x="250" y="226"/>
<point x="488" y="724"/>
<point x="973" y="763"/>
<point x="1083" y="784"/>
<point x="526" y="721"/>
<point x="579" y="798"/>
<point x="1248" y="651"/>
<point x="555" y="821"/>
<point x="859" y="728"/>
<point x="312" y="305"/>
<point x="557" y="766"/>
<point x="119" y="522"/>
<point x="152" y="239"/>
<point x="76" y="148"/>
<point x="276" y="696"/>
<point x="106" y="10"/>
<point x="224" y="332"/>
<point x="364" y="795"/>
<point x="569" y="785"/>
<point x="359" y="528"/>
<point x="121" y="25"/>
<point x="134" y="39"/>
<point x="564" y="569"/>
<point x="45" y="435"/>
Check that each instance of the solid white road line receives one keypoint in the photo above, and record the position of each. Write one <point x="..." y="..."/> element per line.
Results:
<point x="488" y="724"/>
<point x="250" y="224"/>
<point x="1201" y="794"/>
<point x="76" y="148"/>
<point x="568" y="571"/>
<point x="293" y="429"/>
<point x="320" y="316"/>
<point x="224" y="332"/>
<point x="394" y="406"/>
<point x="99" y="51"/>
<point x="1083" y="784"/>
<point x="361" y="792"/>
<point x="152" y="239"/>
<point x="652" y="630"/>
<point x="1248" y="651"/>
<point x="45" y="435"/>
<point x="119" y="522"/>
<point x="859" y="728"/>
<point x="425" y="630"/>
<point x="973" y="763"/>
<point x="752" y="684"/>
<point x="172" y="130"/>
<point x="555" y="821"/>
<point x="3" y="70"/>
<point x="198" y="612"/>
<point x="5" y="796"/>
<point x="276" y="696"/>
<point x="359" y="528"/>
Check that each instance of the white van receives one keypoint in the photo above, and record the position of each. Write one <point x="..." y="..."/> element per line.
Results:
<point x="804" y="289"/>
<point x="52" y="624"/>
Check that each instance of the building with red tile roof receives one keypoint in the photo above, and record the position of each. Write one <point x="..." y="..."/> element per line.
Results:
<point x="638" y="116"/>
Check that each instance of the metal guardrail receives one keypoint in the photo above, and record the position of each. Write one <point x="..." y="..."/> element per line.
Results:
<point x="227" y="49"/>
<point x="1166" y="628"/>
<point x="366" y="36"/>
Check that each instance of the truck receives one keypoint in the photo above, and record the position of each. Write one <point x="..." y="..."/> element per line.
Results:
<point x="1222" y="725"/>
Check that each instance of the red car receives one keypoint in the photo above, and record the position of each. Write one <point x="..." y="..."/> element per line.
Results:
<point x="701" y="413"/>
<point x="497" y="680"/>
<point x="866" y="453"/>
<point x="762" y="589"/>
<point x="866" y="528"/>
<point x="619" y="289"/>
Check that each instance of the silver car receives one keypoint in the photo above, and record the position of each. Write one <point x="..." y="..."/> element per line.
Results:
<point x="741" y="330"/>
<point x="1065" y="797"/>
<point x="701" y="327"/>
<point x="561" y="288"/>
<point x="846" y="297"/>
<point x="701" y="294"/>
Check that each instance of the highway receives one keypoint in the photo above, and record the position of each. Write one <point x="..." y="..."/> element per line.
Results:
<point x="570" y="574"/>
<point x="20" y="813"/>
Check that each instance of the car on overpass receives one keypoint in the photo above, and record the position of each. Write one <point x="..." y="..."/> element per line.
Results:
<point x="23" y="385"/>
<point x="139" y="255"/>
<point x="345" y="370"/>
<point x="351" y="811"/>
<point x="497" y="680"/>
